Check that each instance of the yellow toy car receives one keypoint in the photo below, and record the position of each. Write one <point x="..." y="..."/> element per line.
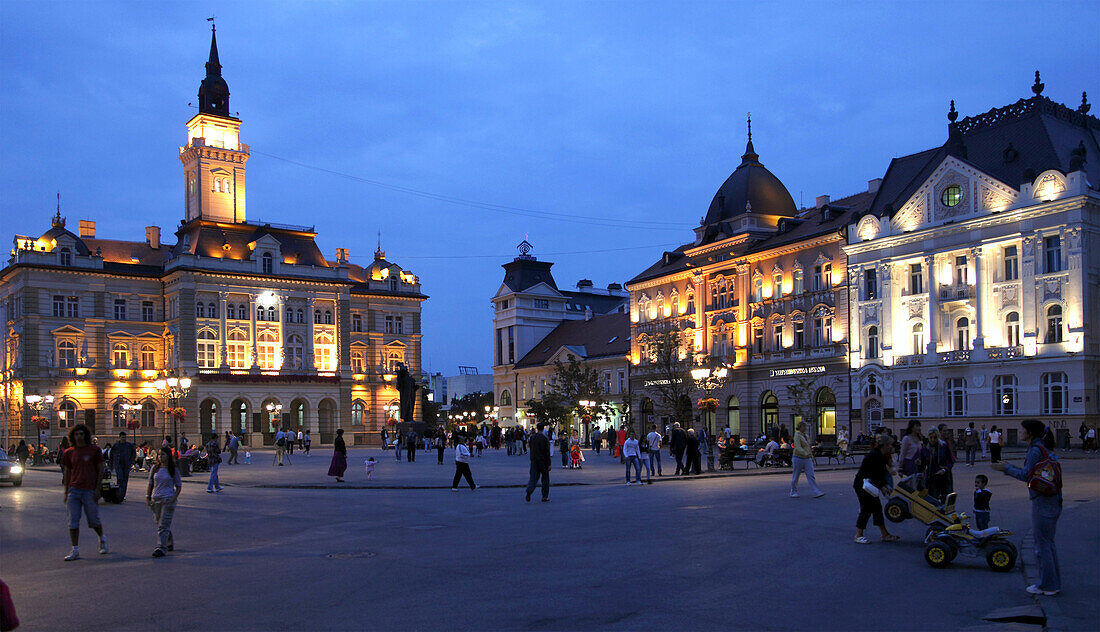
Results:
<point x="942" y="546"/>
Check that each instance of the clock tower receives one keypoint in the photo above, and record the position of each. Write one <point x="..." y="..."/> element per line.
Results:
<point x="214" y="158"/>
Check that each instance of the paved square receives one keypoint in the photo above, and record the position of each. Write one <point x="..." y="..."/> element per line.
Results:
<point x="730" y="552"/>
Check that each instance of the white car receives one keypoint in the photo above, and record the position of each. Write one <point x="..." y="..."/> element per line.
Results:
<point x="10" y="471"/>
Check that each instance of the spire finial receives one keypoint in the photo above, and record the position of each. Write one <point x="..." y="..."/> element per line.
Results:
<point x="379" y="254"/>
<point x="750" y="156"/>
<point x="952" y="114"/>
<point x="58" y="221"/>
<point x="1037" y="88"/>
<point x="213" y="91"/>
<point x="1085" y="105"/>
<point x="749" y="121"/>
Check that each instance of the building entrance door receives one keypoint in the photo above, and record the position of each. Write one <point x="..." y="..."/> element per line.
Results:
<point x="89" y="419"/>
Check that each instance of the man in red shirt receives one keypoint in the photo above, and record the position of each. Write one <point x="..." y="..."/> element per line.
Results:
<point x="83" y="467"/>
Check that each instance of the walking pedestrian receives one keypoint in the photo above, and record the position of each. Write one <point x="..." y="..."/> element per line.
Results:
<point x="214" y="459"/>
<point x="802" y="461"/>
<point x="970" y="442"/>
<point x="301" y="439"/>
<point x="462" y="467"/>
<point x="339" y="457"/>
<point x="290" y="437"/>
<point x="875" y="468"/>
<point x="83" y="476"/>
<point x="540" y="462"/>
<point x="983" y="441"/>
<point x="994" y="445"/>
<point x="397" y="445"/>
<point x="306" y="440"/>
<point x="677" y="443"/>
<point x="1082" y="432"/>
<point x="911" y="447"/>
<point x="161" y="494"/>
<point x="620" y="440"/>
<point x="692" y="456"/>
<point x="632" y="452"/>
<point x="233" y="444"/>
<point x="1090" y="439"/>
<point x="611" y="437"/>
<point x="280" y="446"/>
<point x="1046" y="507"/>
<point x="653" y="439"/>
<point x="22" y="452"/>
<point x="410" y="446"/>
<point x="597" y="439"/>
<point x="441" y="445"/>
<point x="563" y="447"/>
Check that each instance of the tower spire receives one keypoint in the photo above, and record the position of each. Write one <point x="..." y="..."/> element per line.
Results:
<point x="58" y="221"/>
<point x="379" y="254"/>
<point x="750" y="156"/>
<point x="213" y="91"/>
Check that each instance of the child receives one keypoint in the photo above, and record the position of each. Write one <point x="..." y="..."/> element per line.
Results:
<point x="369" y="464"/>
<point x="575" y="452"/>
<point x="981" y="501"/>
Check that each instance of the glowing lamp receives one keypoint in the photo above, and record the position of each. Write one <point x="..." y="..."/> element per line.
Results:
<point x="172" y="382"/>
<point x="160" y="385"/>
<point x="185" y="383"/>
<point x="700" y="374"/>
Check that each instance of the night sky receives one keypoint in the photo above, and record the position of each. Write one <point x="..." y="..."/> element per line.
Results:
<point x="599" y="131"/>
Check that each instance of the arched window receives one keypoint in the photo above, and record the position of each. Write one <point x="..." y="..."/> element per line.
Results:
<point x="872" y="342"/>
<point x="394" y="360"/>
<point x="733" y="415"/>
<point x="505" y="398"/>
<point x="918" y="338"/>
<point x="66" y="414"/>
<point x="323" y="352"/>
<point x="1055" y="387"/>
<point x="691" y="302"/>
<point x="357" y="364"/>
<point x="242" y="311"/>
<point x="207" y="349"/>
<point x="212" y="310"/>
<point x="272" y="314"/>
<point x="1004" y="394"/>
<point x="1054" y="324"/>
<point x="328" y="317"/>
<point x="268" y="263"/>
<point x="301" y="316"/>
<point x="200" y="310"/>
<point x="289" y="315"/>
<point x="66" y="257"/>
<point x="120" y="356"/>
<point x="231" y="311"/>
<point x="240" y="415"/>
<point x="294" y="352"/>
<point x="769" y="414"/>
<point x="962" y="334"/>
<point x="66" y="354"/>
<point x="259" y="313"/>
<point x="357" y="413"/>
<point x="148" y="357"/>
<point x="1012" y="329"/>
<point x="317" y="317"/>
<point x="148" y="415"/>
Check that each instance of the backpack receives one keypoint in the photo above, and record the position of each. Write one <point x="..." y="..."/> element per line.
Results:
<point x="644" y="444"/>
<point x="1045" y="478"/>
<point x="280" y="442"/>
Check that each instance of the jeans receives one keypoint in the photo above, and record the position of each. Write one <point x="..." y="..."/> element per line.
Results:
<point x="981" y="519"/>
<point x="461" y="470"/>
<point x="122" y="477"/>
<point x="397" y="450"/>
<point x="213" y="483"/>
<point x="655" y="455"/>
<point x="635" y="462"/>
<point x="804" y="464"/>
<point x="83" y="499"/>
<point x="1044" y="522"/>
<point x="163" y="510"/>
<point x="539" y="471"/>
<point x="971" y="452"/>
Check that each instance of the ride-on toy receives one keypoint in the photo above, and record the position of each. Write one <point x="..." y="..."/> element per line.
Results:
<point x="907" y="500"/>
<point x="942" y="546"/>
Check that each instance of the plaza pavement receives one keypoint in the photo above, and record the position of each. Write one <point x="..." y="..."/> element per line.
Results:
<point x="729" y="552"/>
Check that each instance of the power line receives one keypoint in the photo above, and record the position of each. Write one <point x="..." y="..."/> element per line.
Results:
<point x="488" y="206"/>
<point x="508" y="255"/>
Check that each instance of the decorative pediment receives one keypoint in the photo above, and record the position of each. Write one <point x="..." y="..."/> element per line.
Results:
<point x="395" y="343"/>
<point x="954" y="191"/>
<point x="868" y="228"/>
<point x="67" y="330"/>
<point x="267" y="240"/>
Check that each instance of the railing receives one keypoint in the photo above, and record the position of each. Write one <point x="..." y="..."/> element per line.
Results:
<point x="955" y="356"/>
<point x="909" y="360"/>
<point x="1005" y="353"/>
<point x="956" y="292"/>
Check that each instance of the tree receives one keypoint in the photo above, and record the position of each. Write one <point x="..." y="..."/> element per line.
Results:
<point x="577" y="382"/>
<point x="671" y="375"/>
<point x="801" y="394"/>
<point x="548" y="409"/>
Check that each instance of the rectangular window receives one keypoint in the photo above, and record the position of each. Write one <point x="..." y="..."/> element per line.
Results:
<point x="511" y="345"/>
<point x="956" y="397"/>
<point x="799" y="335"/>
<point x="59" y="306"/>
<point x="777" y="285"/>
<point x="758" y="338"/>
<point x="910" y="398"/>
<point x="1012" y="264"/>
<point x="797" y="278"/>
<point x="207" y="355"/>
<point x="356" y="322"/>
<point x="777" y="337"/>
<point x="622" y="382"/>
<point x="916" y="279"/>
<point x="541" y="303"/>
<point x="120" y="309"/>
<point x="389" y="324"/>
<point x="72" y="307"/>
<point x="819" y="331"/>
<point x="1052" y="253"/>
<point x="147" y="314"/>
<point x="1004" y="395"/>
<point x="398" y="324"/>
<point x="607" y="382"/>
<point x="960" y="270"/>
<point x="504" y="304"/>
<point x="236" y="352"/>
<point x="500" y="347"/>
<point x="870" y="284"/>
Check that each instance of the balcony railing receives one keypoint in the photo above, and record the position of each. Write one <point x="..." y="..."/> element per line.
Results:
<point x="909" y="360"/>
<point x="949" y="357"/>
<point x="1005" y="353"/>
<point x="956" y="292"/>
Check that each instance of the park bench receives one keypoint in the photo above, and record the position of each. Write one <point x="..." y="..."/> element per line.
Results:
<point x="828" y="452"/>
<point x="749" y="457"/>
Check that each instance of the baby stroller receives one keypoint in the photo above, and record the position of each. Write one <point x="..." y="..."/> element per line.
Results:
<point x="108" y="489"/>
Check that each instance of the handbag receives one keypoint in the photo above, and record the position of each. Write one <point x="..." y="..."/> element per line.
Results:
<point x="870" y="488"/>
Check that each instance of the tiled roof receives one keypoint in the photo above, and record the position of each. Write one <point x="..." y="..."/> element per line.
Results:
<point x="230" y="241"/>
<point x="599" y="337"/>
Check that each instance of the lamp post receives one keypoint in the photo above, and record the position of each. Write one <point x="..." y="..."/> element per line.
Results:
<point x="38" y="403"/>
<point x="173" y="389"/>
<point x="273" y="410"/>
<point x="130" y="411"/>
<point x="709" y="377"/>
<point x="585" y="404"/>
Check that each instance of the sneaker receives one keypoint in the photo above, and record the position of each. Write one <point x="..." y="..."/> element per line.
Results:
<point x="103" y="547"/>
<point x="862" y="540"/>
<point x="628" y="483"/>
<point x="545" y="500"/>
<point x="528" y="497"/>
<point x="1035" y="590"/>
<point x="171" y="547"/>
<point x="219" y="489"/>
<point x="475" y="488"/>
<point x="209" y="491"/>
<point x="159" y="553"/>
<point x="795" y="495"/>
<point x="74" y="555"/>
<point x="819" y="494"/>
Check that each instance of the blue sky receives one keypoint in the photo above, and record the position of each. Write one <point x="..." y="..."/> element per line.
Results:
<point x="615" y="113"/>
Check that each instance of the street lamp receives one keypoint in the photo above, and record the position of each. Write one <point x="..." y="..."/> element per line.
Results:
<point x="130" y="411"/>
<point x="173" y="389"/>
<point x="273" y="411"/>
<point x="709" y="377"/>
<point x="38" y="403"/>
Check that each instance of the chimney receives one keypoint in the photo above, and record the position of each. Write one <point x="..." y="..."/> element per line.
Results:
<point x="615" y="287"/>
<point x="873" y="185"/>
<point x="152" y="236"/>
<point x="584" y="285"/>
<point x="342" y="255"/>
<point x="87" y="228"/>
<point x="822" y="200"/>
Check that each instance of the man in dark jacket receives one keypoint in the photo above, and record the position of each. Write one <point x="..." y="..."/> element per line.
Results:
<point x="123" y="455"/>
<point x="410" y="446"/>
<point x="677" y="443"/>
<point x="611" y="438"/>
<point x="693" y="454"/>
<point x="540" y="463"/>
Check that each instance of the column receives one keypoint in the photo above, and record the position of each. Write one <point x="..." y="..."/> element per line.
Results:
<point x="252" y="329"/>
<point x="281" y="360"/>
<point x="886" y="318"/>
<point x="222" y="333"/>
<point x="307" y="361"/>
<point x="932" y="330"/>
<point x="980" y="287"/>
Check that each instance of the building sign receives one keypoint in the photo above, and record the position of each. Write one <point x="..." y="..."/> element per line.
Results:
<point x="802" y="370"/>
<point x="662" y="382"/>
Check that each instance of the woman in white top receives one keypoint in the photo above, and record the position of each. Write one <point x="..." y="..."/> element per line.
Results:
<point x="163" y="490"/>
<point x="633" y="454"/>
<point x="995" y="444"/>
<point x="462" y="466"/>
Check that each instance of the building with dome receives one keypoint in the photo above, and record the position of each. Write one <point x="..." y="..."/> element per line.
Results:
<point x="269" y="330"/>
<point x="762" y="290"/>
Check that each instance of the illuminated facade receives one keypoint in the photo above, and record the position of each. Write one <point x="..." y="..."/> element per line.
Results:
<point x="761" y="289"/>
<point x="252" y="311"/>
<point x="536" y="323"/>
<point x="973" y="275"/>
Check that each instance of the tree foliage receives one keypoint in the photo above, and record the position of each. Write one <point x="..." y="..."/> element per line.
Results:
<point x="670" y="375"/>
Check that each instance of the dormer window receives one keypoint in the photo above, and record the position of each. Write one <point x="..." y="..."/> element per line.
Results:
<point x="66" y="257"/>
<point x="268" y="263"/>
<point x="393" y="284"/>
